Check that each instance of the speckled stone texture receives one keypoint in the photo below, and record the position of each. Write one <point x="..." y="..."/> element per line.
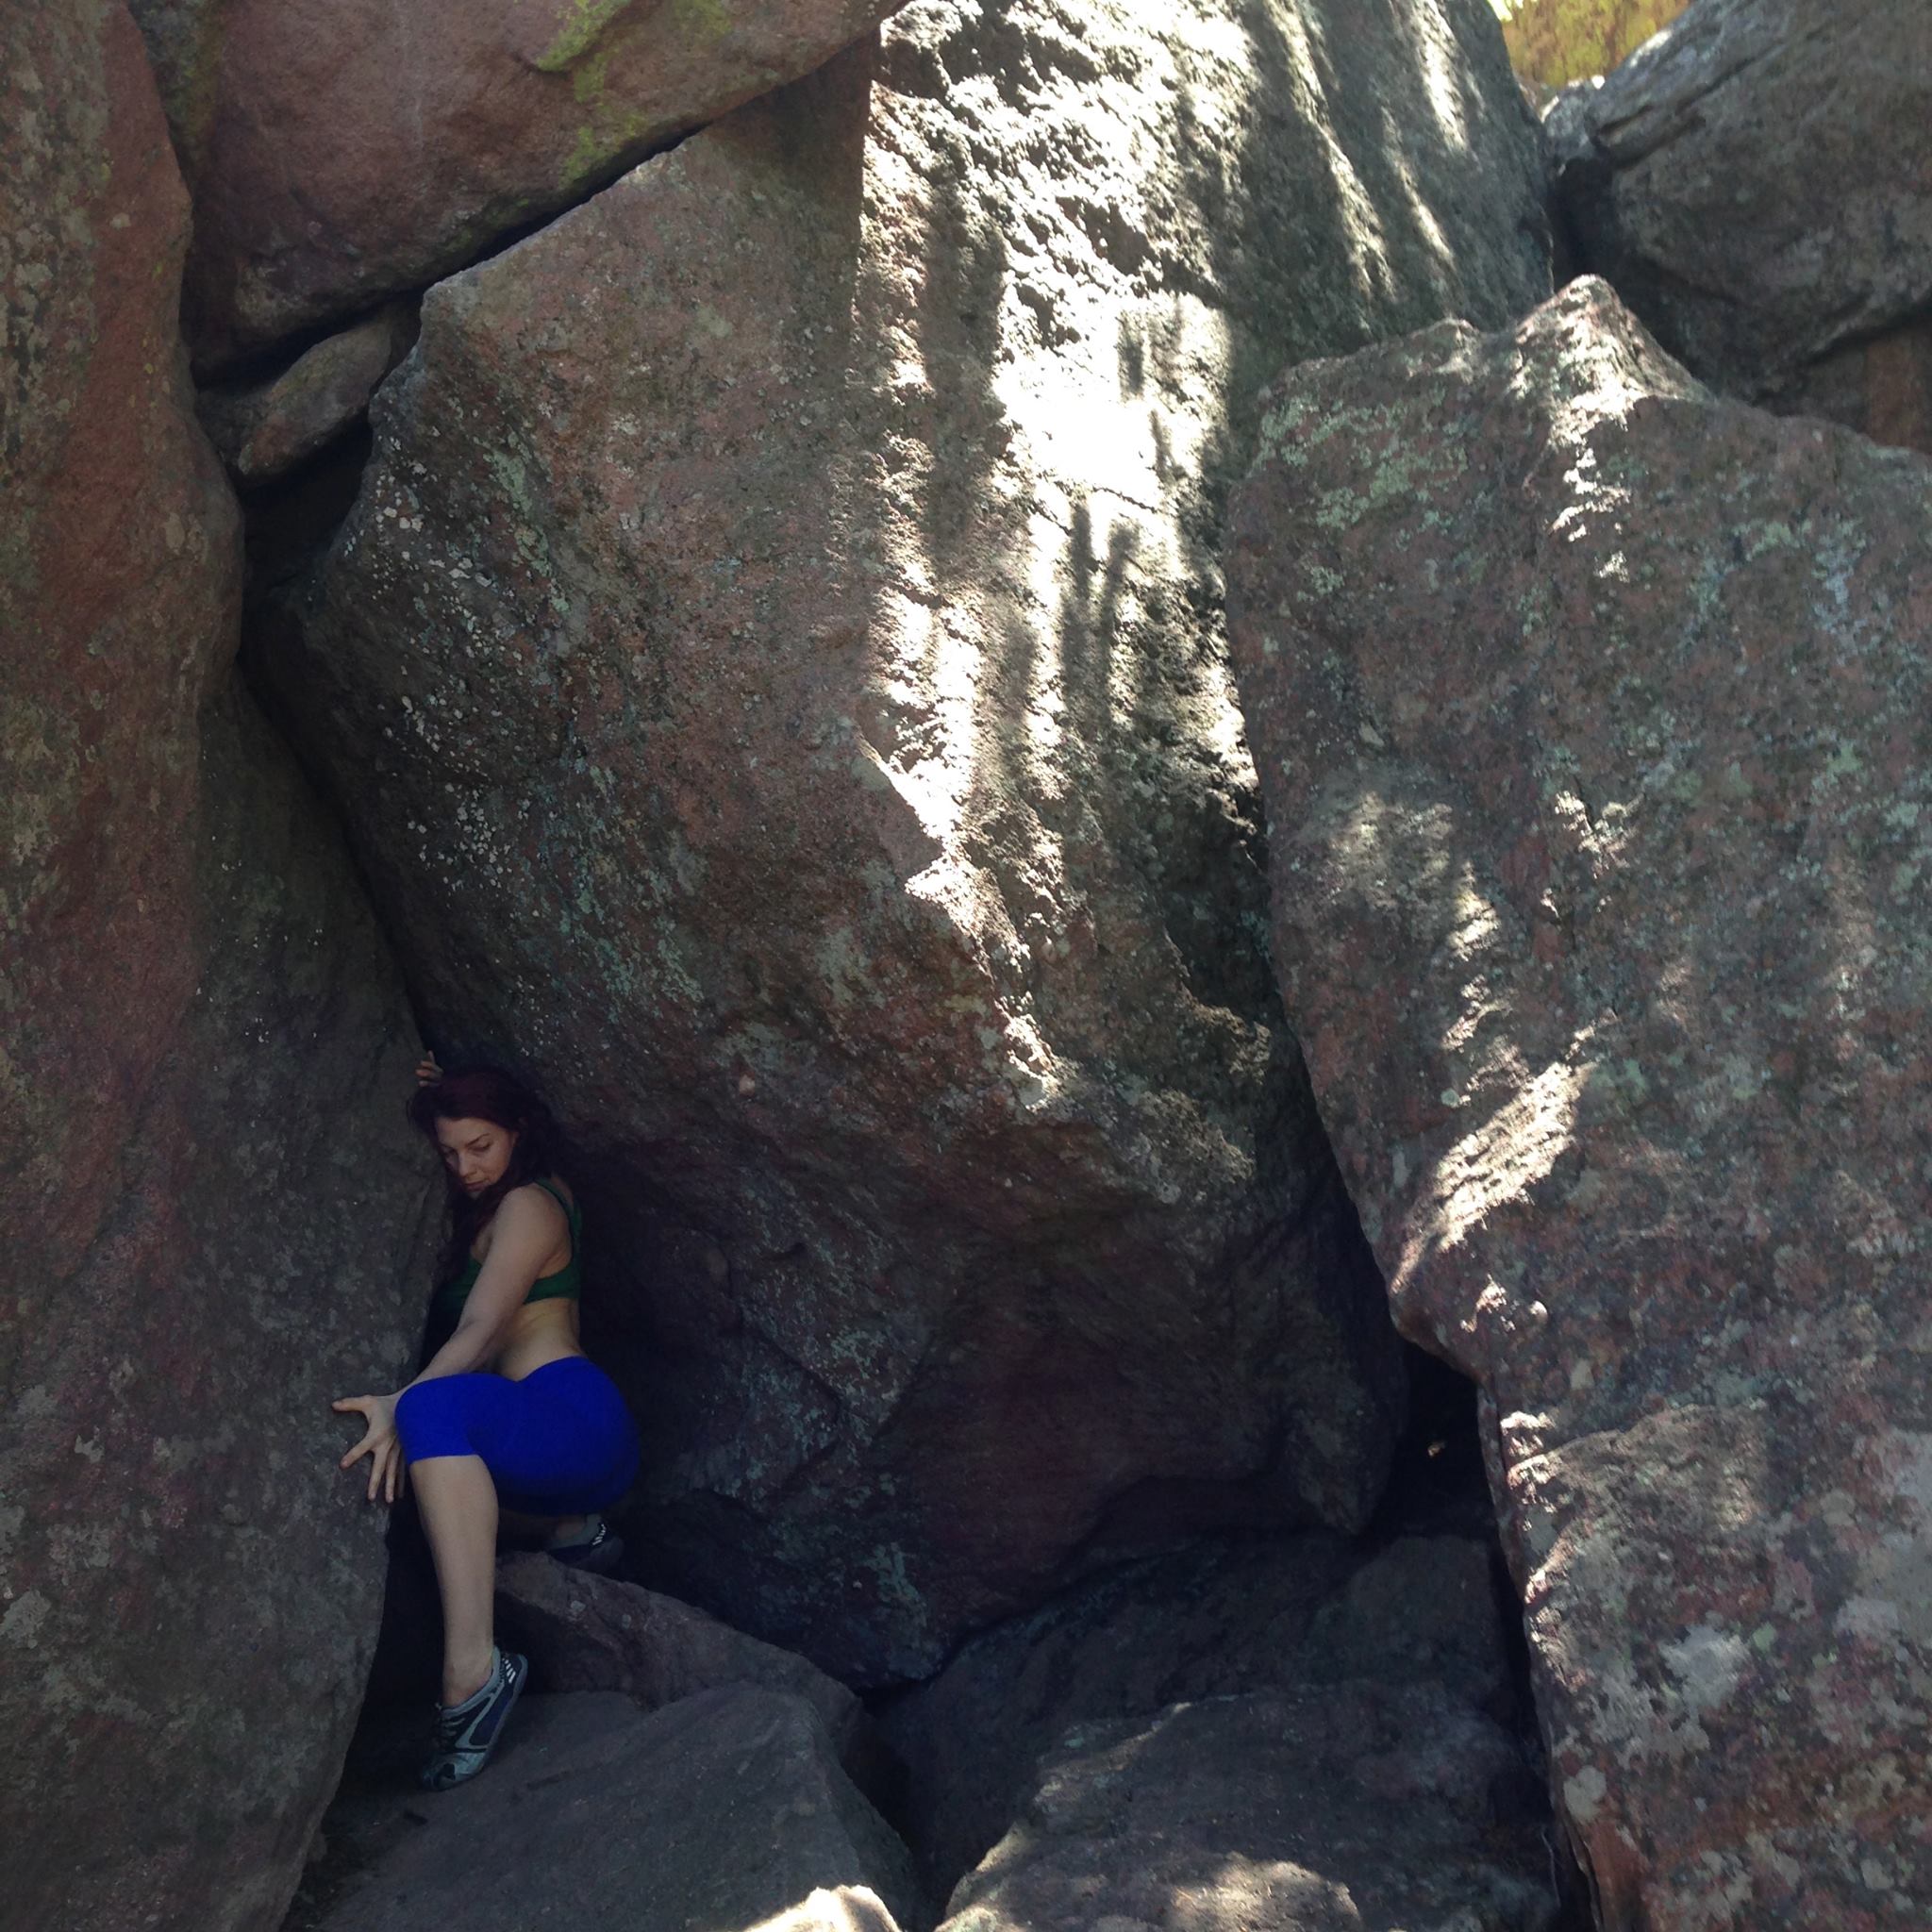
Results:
<point x="1285" y="1613"/>
<point x="1592" y="718"/>
<point x="1308" y="1810"/>
<point x="725" y="1811"/>
<point x="267" y="428"/>
<point x="1757" y="186"/>
<point x="774" y="673"/>
<point x="206" y="1194"/>
<point x="341" y="153"/>
<point x="595" y="1633"/>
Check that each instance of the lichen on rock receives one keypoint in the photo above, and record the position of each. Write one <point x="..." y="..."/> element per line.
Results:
<point x="774" y="673"/>
<point x="1602" y="921"/>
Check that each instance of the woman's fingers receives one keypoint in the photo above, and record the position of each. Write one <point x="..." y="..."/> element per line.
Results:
<point x="378" y="1443"/>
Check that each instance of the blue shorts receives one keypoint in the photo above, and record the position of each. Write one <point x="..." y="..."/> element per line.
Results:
<point x="557" y="1443"/>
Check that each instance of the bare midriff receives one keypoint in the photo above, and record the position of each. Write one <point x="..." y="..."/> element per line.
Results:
<point x="539" y="1332"/>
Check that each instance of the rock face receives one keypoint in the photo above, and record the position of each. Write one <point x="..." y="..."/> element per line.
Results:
<point x="264" y="429"/>
<point x="1308" y="1812"/>
<point x="1198" y="1624"/>
<point x="1882" y="388"/>
<point x="340" y="154"/>
<point x="774" y="673"/>
<point x="594" y="1633"/>
<point x="726" y="1810"/>
<point x="1758" y="185"/>
<point x="205" y="1185"/>
<point x="1602" y="922"/>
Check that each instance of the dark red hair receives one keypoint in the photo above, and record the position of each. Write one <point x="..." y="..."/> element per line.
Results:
<point x="484" y="1093"/>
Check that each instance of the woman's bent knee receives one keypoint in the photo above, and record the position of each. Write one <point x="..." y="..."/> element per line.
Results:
<point x="433" y="1419"/>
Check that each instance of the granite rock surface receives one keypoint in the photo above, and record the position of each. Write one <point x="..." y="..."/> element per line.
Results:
<point x="1757" y="184"/>
<point x="1309" y="1811"/>
<point x="207" y="1200"/>
<point x="266" y="427"/>
<point x="342" y="153"/>
<point x="726" y="1810"/>
<point x="774" y="675"/>
<point x="595" y="1633"/>
<point x="1216" y="1621"/>
<point x="1593" y="716"/>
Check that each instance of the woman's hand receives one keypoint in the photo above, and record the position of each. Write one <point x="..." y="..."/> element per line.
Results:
<point x="381" y="1444"/>
<point x="427" y="1072"/>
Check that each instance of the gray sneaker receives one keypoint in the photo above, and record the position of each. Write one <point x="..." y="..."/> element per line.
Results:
<point x="466" y="1732"/>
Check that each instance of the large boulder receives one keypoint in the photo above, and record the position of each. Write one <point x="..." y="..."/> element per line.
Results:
<point x="1308" y="1810"/>
<point x="727" y="1811"/>
<point x="1215" y="1622"/>
<point x="341" y="153"/>
<point x="271" y="424"/>
<point x="207" y="1193"/>
<point x="594" y="1633"/>
<point x="1757" y="186"/>
<point x="1603" y="918"/>
<point x="774" y="675"/>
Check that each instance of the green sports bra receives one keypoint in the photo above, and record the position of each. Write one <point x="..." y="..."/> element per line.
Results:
<point x="566" y="1284"/>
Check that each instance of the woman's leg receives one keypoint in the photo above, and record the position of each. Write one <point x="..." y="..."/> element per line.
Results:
<point x="452" y="1430"/>
<point x="457" y="1500"/>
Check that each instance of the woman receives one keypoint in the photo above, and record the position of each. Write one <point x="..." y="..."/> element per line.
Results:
<point x="507" y="1415"/>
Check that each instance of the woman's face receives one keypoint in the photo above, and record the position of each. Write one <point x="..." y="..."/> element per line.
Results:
<point x="475" y="1152"/>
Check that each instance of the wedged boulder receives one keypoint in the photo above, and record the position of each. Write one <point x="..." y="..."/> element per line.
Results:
<point x="1198" y="1624"/>
<point x="594" y="1633"/>
<point x="1315" y="1810"/>
<point x="1757" y="184"/>
<point x="204" y="1180"/>
<point x="774" y="675"/>
<point x="343" y="154"/>
<point x="726" y="1810"/>
<point x="1602" y="918"/>
<point x="265" y="428"/>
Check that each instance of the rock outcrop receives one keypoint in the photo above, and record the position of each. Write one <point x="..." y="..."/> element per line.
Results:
<point x="267" y="428"/>
<point x="594" y="1633"/>
<point x="1310" y="1811"/>
<point x="208" y="1198"/>
<point x="342" y="155"/>
<point x="1757" y="186"/>
<point x="726" y="1810"/>
<point x="774" y="673"/>
<point x="1204" y="1624"/>
<point x="1593" y="716"/>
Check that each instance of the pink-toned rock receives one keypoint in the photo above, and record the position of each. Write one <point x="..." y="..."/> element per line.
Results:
<point x="1593" y="719"/>
<point x="775" y="671"/>
<point x="206" y="1198"/>
<point x="1881" y="388"/>
<point x="341" y="154"/>
<point x="594" y="1633"/>
<point x="1211" y="1623"/>
<point x="1308" y="1810"/>
<point x="264" y="429"/>
<point x="1756" y="183"/>
<point x="725" y="1811"/>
